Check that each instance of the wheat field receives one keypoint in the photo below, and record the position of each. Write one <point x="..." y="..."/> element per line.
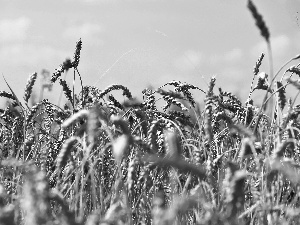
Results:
<point x="101" y="159"/>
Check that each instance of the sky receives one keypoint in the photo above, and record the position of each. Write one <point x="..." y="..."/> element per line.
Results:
<point x="143" y="43"/>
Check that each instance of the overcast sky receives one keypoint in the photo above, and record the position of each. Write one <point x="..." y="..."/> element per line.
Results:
<point x="139" y="43"/>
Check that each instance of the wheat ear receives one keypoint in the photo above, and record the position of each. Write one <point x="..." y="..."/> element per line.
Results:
<point x="260" y="23"/>
<point x="77" y="53"/>
<point x="28" y="89"/>
<point x="65" y="152"/>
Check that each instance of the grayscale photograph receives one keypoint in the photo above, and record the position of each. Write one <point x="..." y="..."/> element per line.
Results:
<point x="150" y="112"/>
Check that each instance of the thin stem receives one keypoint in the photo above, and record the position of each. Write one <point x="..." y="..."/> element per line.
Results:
<point x="283" y="86"/>
<point x="73" y="103"/>
<point x="270" y="61"/>
<point x="81" y="86"/>
<point x="288" y="71"/>
<point x="251" y="87"/>
<point x="284" y="65"/>
<point x="271" y="104"/>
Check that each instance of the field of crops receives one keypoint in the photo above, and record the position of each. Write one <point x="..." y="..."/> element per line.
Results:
<point x="155" y="159"/>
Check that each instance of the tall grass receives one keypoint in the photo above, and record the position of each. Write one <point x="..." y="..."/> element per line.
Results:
<point x="102" y="160"/>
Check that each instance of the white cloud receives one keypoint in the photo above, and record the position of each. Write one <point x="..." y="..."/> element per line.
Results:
<point x="280" y="45"/>
<point x="88" y="32"/>
<point x="233" y="55"/>
<point x="14" y="30"/>
<point x="190" y="60"/>
<point x="30" y="55"/>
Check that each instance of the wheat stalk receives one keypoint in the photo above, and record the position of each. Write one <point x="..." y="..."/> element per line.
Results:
<point x="7" y="95"/>
<point x="260" y="23"/>
<point x="236" y="196"/>
<point x="82" y="114"/>
<point x="77" y="54"/>
<point x="65" y="152"/>
<point x="67" y="91"/>
<point x="208" y="110"/>
<point x="28" y="89"/>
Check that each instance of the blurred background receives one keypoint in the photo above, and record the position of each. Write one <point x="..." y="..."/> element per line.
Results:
<point x="142" y="43"/>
